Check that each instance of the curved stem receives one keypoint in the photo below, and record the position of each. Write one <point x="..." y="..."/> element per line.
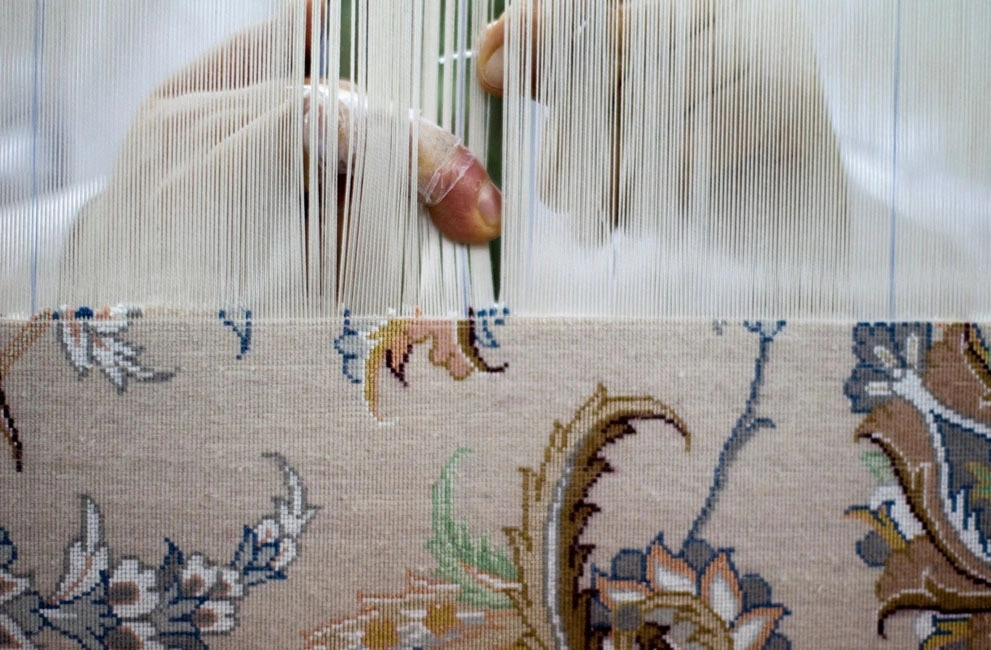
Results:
<point x="746" y="426"/>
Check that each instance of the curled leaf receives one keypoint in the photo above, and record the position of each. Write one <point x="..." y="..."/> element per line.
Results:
<point x="86" y="558"/>
<point x="453" y="347"/>
<point x="547" y="548"/>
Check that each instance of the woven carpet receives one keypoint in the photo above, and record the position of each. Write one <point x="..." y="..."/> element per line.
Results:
<point x="495" y="482"/>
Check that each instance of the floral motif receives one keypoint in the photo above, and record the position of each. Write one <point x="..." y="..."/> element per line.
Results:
<point x="20" y="608"/>
<point x="486" y="320"/>
<point x="460" y="603"/>
<point x="127" y="604"/>
<point x="427" y="614"/>
<point x="695" y="598"/>
<point x="366" y="349"/>
<point x="888" y="514"/>
<point x="479" y="570"/>
<point x="533" y="595"/>
<point x="550" y="601"/>
<point x="747" y="425"/>
<point x="924" y="391"/>
<point x="131" y="592"/>
<point x="90" y="339"/>
<point x="886" y="355"/>
<point x="941" y="632"/>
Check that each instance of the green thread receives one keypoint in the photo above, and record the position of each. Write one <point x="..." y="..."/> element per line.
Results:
<point x="457" y="551"/>
<point x="982" y="475"/>
<point x="879" y="465"/>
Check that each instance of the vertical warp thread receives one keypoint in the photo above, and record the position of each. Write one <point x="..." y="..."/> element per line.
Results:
<point x="459" y="130"/>
<point x="39" y="35"/>
<point x="894" y="162"/>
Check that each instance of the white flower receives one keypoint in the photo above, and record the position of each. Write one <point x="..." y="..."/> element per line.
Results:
<point x="227" y="584"/>
<point x="215" y="616"/>
<point x="132" y="590"/>
<point x="286" y="554"/>
<point x="267" y="531"/>
<point x="204" y="580"/>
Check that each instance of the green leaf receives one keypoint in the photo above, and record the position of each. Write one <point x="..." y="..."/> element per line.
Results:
<point x="456" y="550"/>
<point x="982" y="474"/>
<point x="879" y="465"/>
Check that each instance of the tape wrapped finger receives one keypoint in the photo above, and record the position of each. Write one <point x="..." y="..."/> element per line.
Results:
<point x="452" y="184"/>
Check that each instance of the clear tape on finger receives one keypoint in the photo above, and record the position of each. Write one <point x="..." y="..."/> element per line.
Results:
<point x="315" y="98"/>
<point x="444" y="158"/>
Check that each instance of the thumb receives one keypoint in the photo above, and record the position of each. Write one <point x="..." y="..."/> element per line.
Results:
<point x="452" y="184"/>
<point x="454" y="187"/>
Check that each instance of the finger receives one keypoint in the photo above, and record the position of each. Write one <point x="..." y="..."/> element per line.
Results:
<point x="491" y="58"/>
<point x="462" y="200"/>
<point x="452" y="184"/>
<point x="491" y="52"/>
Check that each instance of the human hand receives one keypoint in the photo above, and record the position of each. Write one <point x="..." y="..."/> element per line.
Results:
<point x="457" y="192"/>
<point x="452" y="184"/>
<point x="737" y="84"/>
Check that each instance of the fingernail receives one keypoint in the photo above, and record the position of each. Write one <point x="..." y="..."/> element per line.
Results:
<point x="492" y="70"/>
<point x="490" y="205"/>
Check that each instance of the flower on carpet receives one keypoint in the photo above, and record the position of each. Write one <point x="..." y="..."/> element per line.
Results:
<point x="92" y="340"/>
<point x="924" y="391"/>
<point x="885" y="353"/>
<point x="132" y="592"/>
<point x="427" y="614"/>
<point x="200" y="578"/>
<point x="369" y="347"/>
<point x="128" y="605"/>
<point x="133" y="635"/>
<point x="695" y="599"/>
<point x="214" y="616"/>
